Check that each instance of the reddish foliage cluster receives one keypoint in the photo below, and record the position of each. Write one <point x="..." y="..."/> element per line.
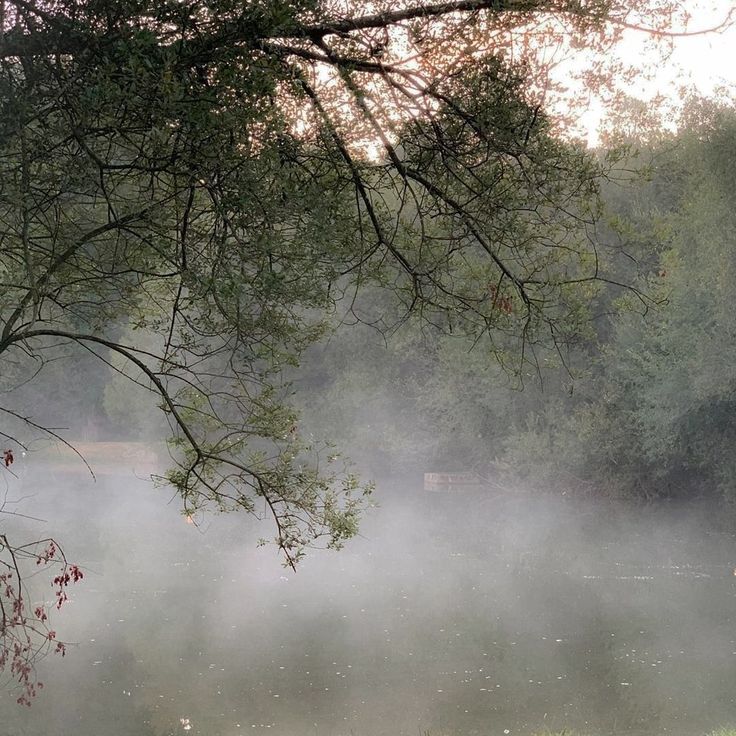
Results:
<point x="8" y="458"/>
<point x="500" y="301"/>
<point x="48" y="553"/>
<point x="71" y="573"/>
<point x="25" y="636"/>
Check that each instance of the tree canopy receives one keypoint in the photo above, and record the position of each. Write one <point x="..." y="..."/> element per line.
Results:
<point x="188" y="190"/>
<point x="643" y="408"/>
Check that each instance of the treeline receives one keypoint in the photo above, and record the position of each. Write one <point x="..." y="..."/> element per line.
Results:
<point x="643" y="406"/>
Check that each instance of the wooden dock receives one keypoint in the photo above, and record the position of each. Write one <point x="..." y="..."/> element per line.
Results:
<point x="455" y="483"/>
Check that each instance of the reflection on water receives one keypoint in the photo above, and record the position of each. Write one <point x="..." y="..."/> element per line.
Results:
<point x="467" y="616"/>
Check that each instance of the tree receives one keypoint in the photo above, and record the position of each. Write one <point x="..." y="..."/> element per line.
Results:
<point x="652" y="415"/>
<point x="25" y="633"/>
<point x="219" y="177"/>
<point x="674" y="374"/>
<point x="422" y="400"/>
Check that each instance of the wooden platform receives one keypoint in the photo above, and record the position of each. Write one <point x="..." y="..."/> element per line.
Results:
<point x="455" y="483"/>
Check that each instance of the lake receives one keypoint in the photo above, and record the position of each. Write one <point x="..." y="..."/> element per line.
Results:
<point x="473" y="614"/>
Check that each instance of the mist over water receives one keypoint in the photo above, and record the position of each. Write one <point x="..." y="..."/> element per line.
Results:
<point x="468" y="614"/>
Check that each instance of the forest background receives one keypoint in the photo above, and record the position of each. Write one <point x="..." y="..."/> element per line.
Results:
<point x="640" y="407"/>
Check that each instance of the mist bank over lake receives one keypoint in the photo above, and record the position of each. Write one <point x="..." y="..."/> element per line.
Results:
<point x="460" y="614"/>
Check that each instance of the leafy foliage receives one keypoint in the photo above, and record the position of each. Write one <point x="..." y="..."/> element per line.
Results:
<point x="639" y="409"/>
<point x="25" y="633"/>
<point x="653" y="416"/>
<point x="185" y="196"/>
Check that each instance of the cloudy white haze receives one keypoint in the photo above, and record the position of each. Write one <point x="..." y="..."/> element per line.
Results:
<point x="470" y="614"/>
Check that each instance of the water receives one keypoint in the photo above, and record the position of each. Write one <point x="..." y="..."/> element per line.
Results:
<point x="453" y="616"/>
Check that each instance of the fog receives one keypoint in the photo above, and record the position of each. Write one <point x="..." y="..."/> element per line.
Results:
<point x="471" y="613"/>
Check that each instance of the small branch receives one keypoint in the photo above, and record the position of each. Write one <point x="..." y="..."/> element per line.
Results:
<point x="51" y="433"/>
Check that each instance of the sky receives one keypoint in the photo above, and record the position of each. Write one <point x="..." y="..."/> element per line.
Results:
<point x="702" y="63"/>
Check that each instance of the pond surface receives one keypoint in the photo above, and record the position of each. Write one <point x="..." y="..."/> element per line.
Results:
<point x="467" y="615"/>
